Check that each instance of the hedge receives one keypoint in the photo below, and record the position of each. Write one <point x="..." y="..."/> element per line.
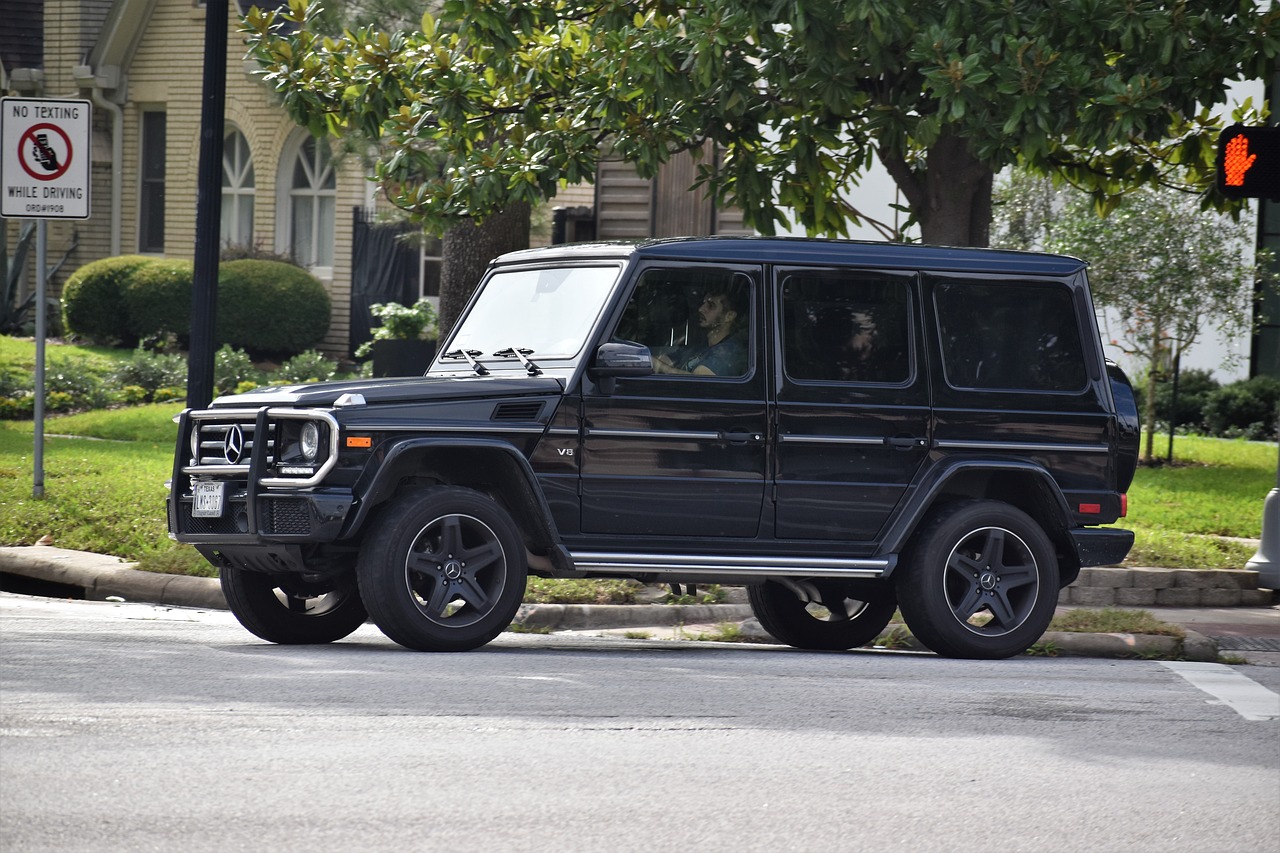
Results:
<point x="270" y="308"/>
<point x="157" y="299"/>
<point x="93" y="301"/>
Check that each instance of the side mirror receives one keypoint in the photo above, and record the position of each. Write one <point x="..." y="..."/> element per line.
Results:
<point x="621" y="358"/>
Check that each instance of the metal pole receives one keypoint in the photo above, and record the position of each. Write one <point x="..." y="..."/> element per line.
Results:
<point x="204" y="296"/>
<point x="42" y="240"/>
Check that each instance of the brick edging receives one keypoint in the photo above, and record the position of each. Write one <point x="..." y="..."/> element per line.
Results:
<point x="1149" y="587"/>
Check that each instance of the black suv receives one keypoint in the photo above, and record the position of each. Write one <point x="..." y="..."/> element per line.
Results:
<point x="844" y="427"/>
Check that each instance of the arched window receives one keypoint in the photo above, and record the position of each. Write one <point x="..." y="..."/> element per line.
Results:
<point x="237" y="191"/>
<point x="311" y="200"/>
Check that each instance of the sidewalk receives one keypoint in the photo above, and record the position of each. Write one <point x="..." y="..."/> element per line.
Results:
<point x="1250" y="631"/>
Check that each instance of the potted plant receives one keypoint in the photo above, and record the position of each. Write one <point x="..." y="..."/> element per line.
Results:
<point x="405" y="342"/>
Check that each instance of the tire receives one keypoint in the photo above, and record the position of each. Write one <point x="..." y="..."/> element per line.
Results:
<point x="286" y="609"/>
<point x="819" y="614"/>
<point x="443" y="570"/>
<point x="979" y="580"/>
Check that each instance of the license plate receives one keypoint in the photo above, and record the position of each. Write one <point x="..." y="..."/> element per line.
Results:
<point x="210" y="497"/>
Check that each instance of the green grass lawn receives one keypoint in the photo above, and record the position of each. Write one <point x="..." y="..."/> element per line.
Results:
<point x="104" y="485"/>
<point x="1215" y="489"/>
<point x="104" y="492"/>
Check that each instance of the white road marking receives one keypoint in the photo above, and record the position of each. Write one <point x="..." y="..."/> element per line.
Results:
<point x="1247" y="697"/>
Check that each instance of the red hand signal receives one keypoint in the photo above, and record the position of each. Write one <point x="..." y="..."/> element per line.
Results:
<point x="1237" y="160"/>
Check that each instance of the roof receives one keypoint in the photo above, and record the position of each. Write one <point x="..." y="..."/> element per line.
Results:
<point x="798" y="250"/>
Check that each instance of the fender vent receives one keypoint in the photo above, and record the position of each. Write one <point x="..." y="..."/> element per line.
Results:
<point x="517" y="411"/>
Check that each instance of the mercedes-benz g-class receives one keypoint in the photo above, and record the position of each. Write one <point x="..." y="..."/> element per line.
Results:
<point x="846" y="428"/>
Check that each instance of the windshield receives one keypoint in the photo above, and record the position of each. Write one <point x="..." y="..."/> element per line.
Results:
<point x="546" y="313"/>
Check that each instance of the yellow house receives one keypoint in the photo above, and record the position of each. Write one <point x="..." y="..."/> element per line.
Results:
<point x="140" y="63"/>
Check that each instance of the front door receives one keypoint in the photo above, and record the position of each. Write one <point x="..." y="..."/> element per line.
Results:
<point x="682" y="452"/>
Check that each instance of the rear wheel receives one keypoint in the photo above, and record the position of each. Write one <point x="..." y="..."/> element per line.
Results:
<point x="979" y="580"/>
<point x="289" y="610"/>
<point x="443" y="570"/>
<point x="820" y="614"/>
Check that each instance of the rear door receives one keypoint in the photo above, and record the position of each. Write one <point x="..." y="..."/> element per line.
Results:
<point x="853" y="413"/>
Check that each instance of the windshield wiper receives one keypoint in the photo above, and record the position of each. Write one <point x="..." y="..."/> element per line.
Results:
<point x="470" y="356"/>
<point x="520" y="353"/>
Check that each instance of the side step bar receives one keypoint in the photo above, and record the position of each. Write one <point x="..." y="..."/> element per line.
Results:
<point x="726" y="569"/>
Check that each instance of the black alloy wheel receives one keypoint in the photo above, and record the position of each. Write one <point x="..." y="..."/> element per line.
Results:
<point x="289" y="610"/>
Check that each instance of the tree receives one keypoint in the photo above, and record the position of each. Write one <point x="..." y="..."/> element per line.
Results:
<point x="500" y="102"/>
<point x="1166" y="268"/>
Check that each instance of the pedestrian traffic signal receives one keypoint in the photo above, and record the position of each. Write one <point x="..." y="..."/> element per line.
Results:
<point x="1249" y="162"/>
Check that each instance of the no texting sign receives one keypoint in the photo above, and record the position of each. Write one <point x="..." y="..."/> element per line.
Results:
<point x="44" y="157"/>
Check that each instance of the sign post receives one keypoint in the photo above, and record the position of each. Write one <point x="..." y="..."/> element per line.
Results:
<point x="44" y="174"/>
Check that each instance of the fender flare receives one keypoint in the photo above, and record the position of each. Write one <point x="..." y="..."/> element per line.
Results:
<point x="1046" y="503"/>
<point x="404" y="456"/>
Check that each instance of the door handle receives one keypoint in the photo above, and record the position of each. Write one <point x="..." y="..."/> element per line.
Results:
<point x="741" y="437"/>
<point x="905" y="442"/>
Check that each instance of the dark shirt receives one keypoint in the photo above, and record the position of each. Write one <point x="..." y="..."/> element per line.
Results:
<point x="727" y="358"/>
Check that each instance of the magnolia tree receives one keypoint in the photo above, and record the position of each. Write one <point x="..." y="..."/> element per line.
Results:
<point x="1166" y="268"/>
<point x="494" y="104"/>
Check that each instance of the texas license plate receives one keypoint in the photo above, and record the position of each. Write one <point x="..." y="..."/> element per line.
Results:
<point x="210" y="497"/>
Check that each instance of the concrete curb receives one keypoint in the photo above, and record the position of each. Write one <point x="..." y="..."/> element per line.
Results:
<point x="102" y="577"/>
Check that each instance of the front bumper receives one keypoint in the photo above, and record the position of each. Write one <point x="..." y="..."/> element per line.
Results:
<point x="263" y="518"/>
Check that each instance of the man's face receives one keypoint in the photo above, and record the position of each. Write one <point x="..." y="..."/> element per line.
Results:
<point x="712" y="311"/>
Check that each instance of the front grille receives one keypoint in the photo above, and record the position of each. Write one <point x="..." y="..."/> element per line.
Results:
<point x="280" y="516"/>
<point x="229" y="441"/>
<point x="288" y="516"/>
<point x="232" y="520"/>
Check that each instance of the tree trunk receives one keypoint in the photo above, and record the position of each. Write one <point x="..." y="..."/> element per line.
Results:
<point x="1149" y="406"/>
<point x="468" y="248"/>
<point x="951" y="196"/>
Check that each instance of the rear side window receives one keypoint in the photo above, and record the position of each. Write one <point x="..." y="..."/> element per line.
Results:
<point x="1009" y="336"/>
<point x="840" y="326"/>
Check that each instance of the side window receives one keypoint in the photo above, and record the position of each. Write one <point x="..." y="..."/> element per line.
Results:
<point x="310" y="200"/>
<point x="695" y="320"/>
<point x="840" y="326"/>
<point x="151" y="216"/>
<point x="237" y="191"/>
<point x="1016" y="335"/>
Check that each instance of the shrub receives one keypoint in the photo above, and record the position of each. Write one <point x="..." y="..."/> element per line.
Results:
<point x="134" y="395"/>
<point x="18" y="407"/>
<point x="1194" y="389"/>
<point x="270" y="308"/>
<point x="1246" y="408"/>
<point x="157" y="299"/>
<point x="76" y="385"/>
<point x="401" y="323"/>
<point x="241" y="251"/>
<point x="150" y="371"/>
<point x="169" y="394"/>
<point x="93" y="299"/>
<point x="232" y="368"/>
<point x="310" y="366"/>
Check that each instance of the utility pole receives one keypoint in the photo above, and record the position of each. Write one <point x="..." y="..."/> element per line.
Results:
<point x="204" y="296"/>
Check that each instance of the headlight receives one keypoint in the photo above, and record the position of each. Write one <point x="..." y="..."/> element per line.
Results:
<point x="309" y="441"/>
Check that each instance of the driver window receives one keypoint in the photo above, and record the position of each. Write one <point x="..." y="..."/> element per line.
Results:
<point x="695" y="321"/>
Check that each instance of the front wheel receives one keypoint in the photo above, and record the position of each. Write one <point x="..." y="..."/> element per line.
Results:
<point x="820" y="614"/>
<point x="443" y="570"/>
<point x="979" y="580"/>
<point x="289" y="610"/>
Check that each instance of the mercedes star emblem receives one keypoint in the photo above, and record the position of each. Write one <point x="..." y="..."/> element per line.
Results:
<point x="233" y="445"/>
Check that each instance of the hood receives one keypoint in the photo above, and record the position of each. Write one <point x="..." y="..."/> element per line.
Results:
<point x="394" y="390"/>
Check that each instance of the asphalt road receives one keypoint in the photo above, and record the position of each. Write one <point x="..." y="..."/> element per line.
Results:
<point x="133" y="727"/>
